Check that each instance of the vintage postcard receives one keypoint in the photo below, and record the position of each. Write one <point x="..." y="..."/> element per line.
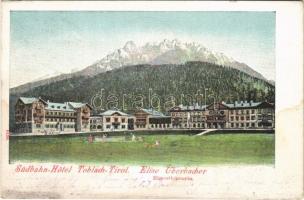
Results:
<point x="152" y="100"/>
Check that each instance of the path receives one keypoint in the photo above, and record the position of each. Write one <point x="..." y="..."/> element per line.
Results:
<point x="206" y="131"/>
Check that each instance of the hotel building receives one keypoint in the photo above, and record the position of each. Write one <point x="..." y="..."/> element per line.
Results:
<point x="188" y="116"/>
<point x="220" y="115"/>
<point x="251" y="115"/>
<point x="96" y="123"/>
<point x="151" y="119"/>
<point x="114" y="120"/>
<point x="35" y="115"/>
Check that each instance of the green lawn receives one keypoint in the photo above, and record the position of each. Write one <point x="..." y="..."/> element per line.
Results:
<point x="173" y="149"/>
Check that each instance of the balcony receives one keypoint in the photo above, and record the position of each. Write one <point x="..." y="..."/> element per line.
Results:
<point x="140" y="123"/>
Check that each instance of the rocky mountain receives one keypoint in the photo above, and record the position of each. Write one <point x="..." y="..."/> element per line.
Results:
<point x="157" y="53"/>
<point x="165" y="52"/>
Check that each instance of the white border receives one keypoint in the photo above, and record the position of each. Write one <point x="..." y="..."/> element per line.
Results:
<point x="285" y="180"/>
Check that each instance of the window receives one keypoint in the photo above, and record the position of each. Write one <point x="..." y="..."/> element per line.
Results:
<point x="232" y="125"/>
<point x="252" y="117"/>
<point x="252" y="124"/>
<point x="252" y="111"/>
<point x="247" y="124"/>
<point x="237" y="118"/>
<point x="116" y="119"/>
<point x="123" y="126"/>
<point x="242" y="117"/>
<point x="108" y="126"/>
<point x="242" y="124"/>
<point x="231" y="118"/>
<point x="38" y="125"/>
<point x="231" y="111"/>
<point x="247" y="112"/>
<point x="108" y="119"/>
<point x="123" y="120"/>
<point x="247" y="118"/>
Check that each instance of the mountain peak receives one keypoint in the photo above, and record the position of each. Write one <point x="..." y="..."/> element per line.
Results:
<point x="167" y="44"/>
<point x="130" y="46"/>
<point x="168" y="51"/>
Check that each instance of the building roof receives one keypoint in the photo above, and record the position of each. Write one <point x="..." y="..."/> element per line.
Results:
<point x="242" y="104"/>
<point x="189" y="108"/>
<point x="111" y="112"/>
<point x="154" y="113"/>
<point x="58" y="106"/>
<point x="28" y="100"/>
<point x="76" y="104"/>
<point x="235" y="105"/>
<point x="67" y="106"/>
<point x="131" y="116"/>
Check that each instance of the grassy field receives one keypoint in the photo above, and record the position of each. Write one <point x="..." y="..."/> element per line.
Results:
<point x="173" y="149"/>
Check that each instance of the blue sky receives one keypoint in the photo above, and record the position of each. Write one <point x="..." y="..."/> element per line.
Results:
<point x="47" y="42"/>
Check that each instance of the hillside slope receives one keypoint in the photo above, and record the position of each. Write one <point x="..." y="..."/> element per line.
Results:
<point x="223" y="84"/>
